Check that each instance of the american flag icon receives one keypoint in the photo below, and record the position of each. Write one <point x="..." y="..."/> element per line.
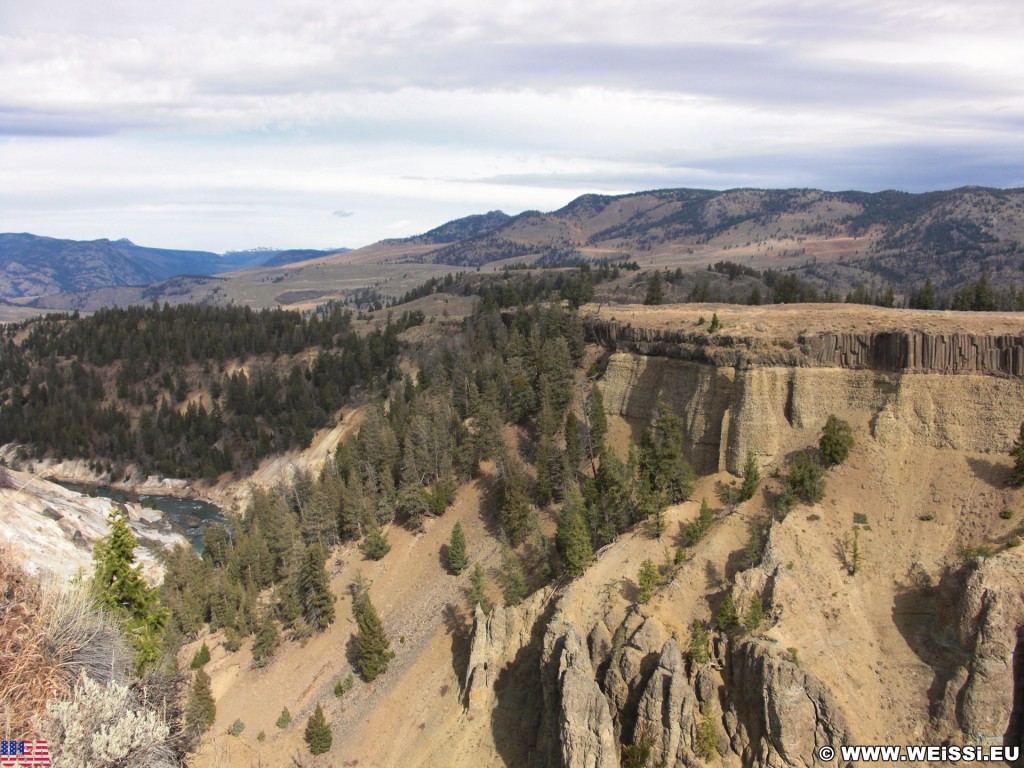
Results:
<point x="14" y="754"/>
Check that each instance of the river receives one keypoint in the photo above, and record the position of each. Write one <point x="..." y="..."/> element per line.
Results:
<point x="188" y="516"/>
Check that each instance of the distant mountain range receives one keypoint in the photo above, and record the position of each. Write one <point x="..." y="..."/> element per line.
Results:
<point x="31" y="265"/>
<point x="839" y="240"/>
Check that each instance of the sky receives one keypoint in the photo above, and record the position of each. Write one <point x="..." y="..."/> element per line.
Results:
<point x="326" y="123"/>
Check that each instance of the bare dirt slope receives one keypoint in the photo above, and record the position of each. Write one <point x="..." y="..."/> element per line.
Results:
<point x="406" y="714"/>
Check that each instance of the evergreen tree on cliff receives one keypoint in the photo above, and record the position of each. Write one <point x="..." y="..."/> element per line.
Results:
<point x="119" y="587"/>
<point x="371" y="639"/>
<point x="457" y="557"/>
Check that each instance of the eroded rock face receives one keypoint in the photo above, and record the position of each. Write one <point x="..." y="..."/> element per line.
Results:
<point x="729" y="413"/>
<point x="668" y="710"/>
<point x="586" y="734"/>
<point x="497" y="638"/>
<point x="782" y="713"/>
<point x="982" y="697"/>
<point x="897" y="351"/>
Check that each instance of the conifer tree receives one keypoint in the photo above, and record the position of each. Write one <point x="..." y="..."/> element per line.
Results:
<point x="836" y="440"/>
<point x="267" y="639"/>
<point x="121" y="589"/>
<point x="598" y="421"/>
<point x="572" y="537"/>
<point x="200" y="711"/>
<point x="751" y="478"/>
<point x="573" y="445"/>
<point x="515" y="502"/>
<point x="654" y="293"/>
<point x="727" y="619"/>
<point x="698" y="650"/>
<point x="647" y="581"/>
<point x="371" y="639"/>
<point x="478" y="589"/>
<point x="544" y="491"/>
<point x="513" y="580"/>
<point x="202" y="656"/>
<point x="314" y="588"/>
<point x="318" y="732"/>
<point x="754" y="614"/>
<point x="376" y="544"/>
<point x="457" y="556"/>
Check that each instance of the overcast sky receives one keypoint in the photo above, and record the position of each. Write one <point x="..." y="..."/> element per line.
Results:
<point x="321" y="123"/>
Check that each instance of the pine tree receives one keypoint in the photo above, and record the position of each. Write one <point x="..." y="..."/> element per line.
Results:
<point x="806" y="478"/>
<point x="598" y="421"/>
<point x="376" y="544"/>
<point x="727" y="619"/>
<point x="836" y="440"/>
<point x="284" y="719"/>
<point x="202" y="656"/>
<point x="543" y="490"/>
<point x="371" y="640"/>
<point x="513" y="580"/>
<point x="647" y="581"/>
<point x="266" y="642"/>
<point x="573" y="445"/>
<point x="572" y="537"/>
<point x="698" y="650"/>
<point x="706" y="743"/>
<point x="754" y="614"/>
<point x="751" y="478"/>
<point x="478" y="589"/>
<point x="654" y="293"/>
<point x="515" y="502"/>
<point x="314" y="589"/>
<point x="318" y="732"/>
<point x="120" y="588"/>
<point x="200" y="711"/>
<point x="457" y="557"/>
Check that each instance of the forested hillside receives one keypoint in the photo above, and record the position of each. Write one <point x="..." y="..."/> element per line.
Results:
<point x="186" y="391"/>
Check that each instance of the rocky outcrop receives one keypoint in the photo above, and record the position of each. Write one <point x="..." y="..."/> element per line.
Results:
<point x="984" y="696"/>
<point x="729" y="412"/>
<point x="577" y="730"/>
<point x="498" y="637"/>
<point x="777" y="714"/>
<point x="891" y="351"/>
<point x="53" y="529"/>
<point x="668" y="710"/>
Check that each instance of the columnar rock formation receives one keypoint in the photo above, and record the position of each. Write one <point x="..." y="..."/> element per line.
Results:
<point x="896" y="351"/>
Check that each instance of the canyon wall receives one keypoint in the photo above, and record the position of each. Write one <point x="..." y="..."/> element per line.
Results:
<point x="768" y="410"/>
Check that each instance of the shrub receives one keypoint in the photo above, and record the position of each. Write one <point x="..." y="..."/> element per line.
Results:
<point x="236" y="728"/>
<point x="102" y="726"/>
<point x="1006" y="514"/>
<point x="344" y="686"/>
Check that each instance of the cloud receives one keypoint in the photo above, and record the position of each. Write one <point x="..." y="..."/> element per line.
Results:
<point x="219" y="124"/>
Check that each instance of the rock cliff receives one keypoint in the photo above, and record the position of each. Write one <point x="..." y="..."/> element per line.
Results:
<point x="763" y="410"/>
<point x="895" y="351"/>
<point x="985" y="689"/>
